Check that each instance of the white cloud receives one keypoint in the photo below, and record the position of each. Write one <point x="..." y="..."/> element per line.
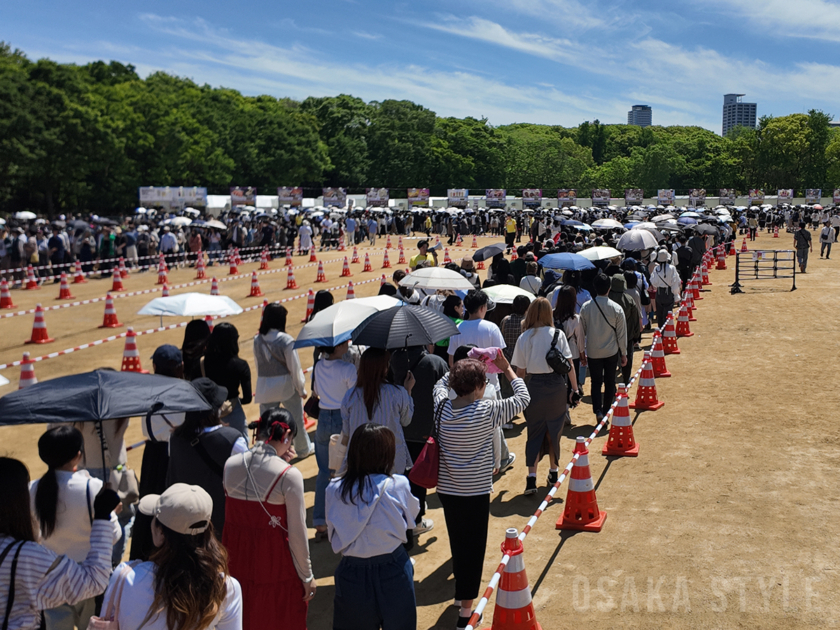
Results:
<point x="814" y="19"/>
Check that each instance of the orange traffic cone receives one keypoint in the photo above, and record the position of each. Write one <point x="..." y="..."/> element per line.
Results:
<point x="321" y="277"/>
<point x="308" y="422"/>
<point x="446" y="258"/>
<point x="199" y="266"/>
<point x="64" y="289"/>
<point x="165" y="291"/>
<point x="117" y="284"/>
<point x="744" y="247"/>
<point x="689" y="306"/>
<point x="399" y="242"/>
<point x="669" y="336"/>
<point x="233" y="269"/>
<point x="732" y="248"/>
<point x="683" y="329"/>
<point x="345" y="270"/>
<point x="646" y="393"/>
<point x="401" y="260"/>
<point x="131" y="355"/>
<point x="123" y="270"/>
<point x="341" y="239"/>
<point x="776" y="232"/>
<point x="475" y="242"/>
<point x="513" y="254"/>
<point x="479" y="264"/>
<point x="386" y="262"/>
<point x="39" y="328"/>
<point x="310" y="305"/>
<point x="5" y="295"/>
<point x="367" y="266"/>
<point x="705" y="274"/>
<point x="264" y="259"/>
<point x="514" y="609"/>
<point x="162" y="277"/>
<point x="355" y="259"/>
<point x="312" y="257"/>
<point x="27" y="372"/>
<point x="721" y="260"/>
<point x="351" y="293"/>
<point x="289" y="262"/>
<point x="621" y="441"/>
<point x="382" y="281"/>
<point x="657" y="357"/>
<point x="581" y="512"/>
<point x="388" y="242"/>
<point x="695" y="287"/>
<point x="214" y="287"/>
<point x="459" y="241"/>
<point x="110" y="320"/>
<point x="255" y="286"/>
<point x="291" y="283"/>
<point x="208" y="319"/>
<point x="78" y="276"/>
<point x="236" y="256"/>
<point x="31" y="280"/>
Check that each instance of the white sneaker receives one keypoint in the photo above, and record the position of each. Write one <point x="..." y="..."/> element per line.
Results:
<point x="507" y="463"/>
<point x="424" y="526"/>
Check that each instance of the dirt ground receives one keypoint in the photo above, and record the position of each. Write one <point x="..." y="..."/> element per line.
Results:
<point x="723" y="521"/>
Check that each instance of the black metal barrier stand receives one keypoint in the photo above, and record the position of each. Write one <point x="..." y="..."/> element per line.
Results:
<point x="764" y="264"/>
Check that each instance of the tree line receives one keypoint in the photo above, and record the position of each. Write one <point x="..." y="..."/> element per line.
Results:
<point x="85" y="137"/>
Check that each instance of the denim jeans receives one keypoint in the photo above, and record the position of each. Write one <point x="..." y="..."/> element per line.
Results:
<point x="329" y="423"/>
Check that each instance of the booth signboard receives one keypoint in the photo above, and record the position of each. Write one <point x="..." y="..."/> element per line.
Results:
<point x="458" y="197"/>
<point x="633" y="196"/>
<point x="243" y="196"/>
<point x="173" y="197"/>
<point x="665" y="196"/>
<point x="726" y="196"/>
<point x="697" y="197"/>
<point x="290" y="196"/>
<point x="495" y="197"/>
<point x="813" y="195"/>
<point x="756" y="196"/>
<point x="601" y="196"/>
<point x="531" y="197"/>
<point x="418" y="197"/>
<point x="377" y="197"/>
<point x="784" y="195"/>
<point x="335" y="197"/>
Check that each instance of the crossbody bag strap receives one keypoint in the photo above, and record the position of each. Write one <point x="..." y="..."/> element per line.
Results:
<point x="87" y="497"/>
<point x="11" y="599"/>
<point x="556" y="338"/>
<point x="372" y="510"/>
<point x="615" y="330"/>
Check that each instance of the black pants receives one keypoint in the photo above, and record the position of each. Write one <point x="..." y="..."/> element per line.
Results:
<point x="419" y="492"/>
<point x="466" y="522"/>
<point x="602" y="372"/>
<point x="662" y="310"/>
<point x="627" y="370"/>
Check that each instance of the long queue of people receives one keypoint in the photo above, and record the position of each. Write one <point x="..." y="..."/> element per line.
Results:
<point x="219" y="538"/>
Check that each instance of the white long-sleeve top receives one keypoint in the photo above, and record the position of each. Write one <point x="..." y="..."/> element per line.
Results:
<point x="667" y="278"/>
<point x="45" y="579"/>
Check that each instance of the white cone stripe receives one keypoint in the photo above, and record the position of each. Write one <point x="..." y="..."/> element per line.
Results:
<point x="583" y="460"/>
<point x="513" y="600"/>
<point x="581" y="485"/>
<point x="516" y="564"/>
<point x="621" y="421"/>
<point x="647" y="382"/>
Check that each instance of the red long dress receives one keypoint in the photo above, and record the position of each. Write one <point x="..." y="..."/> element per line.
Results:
<point x="259" y="557"/>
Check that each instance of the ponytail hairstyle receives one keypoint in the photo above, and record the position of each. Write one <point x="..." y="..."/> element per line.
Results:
<point x="56" y="447"/>
<point x="273" y="424"/>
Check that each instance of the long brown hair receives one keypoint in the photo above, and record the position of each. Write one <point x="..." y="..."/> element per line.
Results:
<point x="538" y="315"/>
<point x="372" y="375"/>
<point x="371" y="452"/>
<point x="191" y="579"/>
<point x="15" y="515"/>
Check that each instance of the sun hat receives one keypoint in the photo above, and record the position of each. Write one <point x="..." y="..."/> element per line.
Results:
<point x="663" y="256"/>
<point x="183" y="508"/>
<point x="212" y="393"/>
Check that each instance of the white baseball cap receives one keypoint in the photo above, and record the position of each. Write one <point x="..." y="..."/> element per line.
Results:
<point x="183" y="508"/>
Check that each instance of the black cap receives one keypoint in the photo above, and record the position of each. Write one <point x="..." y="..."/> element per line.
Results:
<point x="212" y="393"/>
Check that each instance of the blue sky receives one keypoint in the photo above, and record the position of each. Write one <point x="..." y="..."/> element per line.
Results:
<point x="543" y="61"/>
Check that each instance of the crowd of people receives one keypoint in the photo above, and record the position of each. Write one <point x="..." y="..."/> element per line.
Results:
<point x="217" y="533"/>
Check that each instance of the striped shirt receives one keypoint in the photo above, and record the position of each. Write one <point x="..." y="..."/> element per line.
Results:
<point x="465" y="438"/>
<point x="45" y="580"/>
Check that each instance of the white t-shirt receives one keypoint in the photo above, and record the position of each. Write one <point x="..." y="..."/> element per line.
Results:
<point x="533" y="345"/>
<point x="332" y="380"/>
<point x="139" y="593"/>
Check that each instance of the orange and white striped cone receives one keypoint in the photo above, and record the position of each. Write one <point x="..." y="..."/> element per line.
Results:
<point x="208" y="319"/>
<point x="164" y="292"/>
<point x="31" y="280"/>
<point x="289" y="261"/>
<point x="446" y="258"/>
<point x="695" y="287"/>
<point x="744" y="248"/>
<point x="683" y="329"/>
<point x="367" y="266"/>
<point x="341" y="239"/>
<point x="621" y="441"/>
<point x="399" y="242"/>
<point x="310" y="305"/>
<point x="581" y="511"/>
<point x="732" y="247"/>
<point x="646" y="399"/>
<point x="123" y="270"/>
<point x="214" y="287"/>
<point x="236" y="256"/>
<point x="688" y="300"/>
<point x="117" y="283"/>
<point x="351" y="292"/>
<point x="513" y="254"/>
<point x="386" y="262"/>
<point x="705" y="275"/>
<point x="776" y="232"/>
<point x="291" y="283"/>
<point x="110" y="320"/>
<point x="402" y="260"/>
<point x="312" y="257"/>
<point x="345" y="270"/>
<point x="388" y="242"/>
<point x="382" y="281"/>
<point x="308" y="422"/>
<point x="459" y="241"/>
<point x="162" y="277"/>
<point x="669" y="336"/>
<point x="255" y="286"/>
<point x="479" y="264"/>
<point x="475" y="242"/>
<point x="721" y="259"/>
<point x="264" y="259"/>
<point x="355" y="260"/>
<point x="514" y="608"/>
<point x="64" y="289"/>
<point x="131" y="355"/>
<point x="5" y="295"/>
<point x="39" y="328"/>
<point x="27" y="372"/>
<point x="200" y="271"/>
<point x="657" y="357"/>
<point x="233" y="269"/>
<point x="78" y="276"/>
<point x="321" y="277"/>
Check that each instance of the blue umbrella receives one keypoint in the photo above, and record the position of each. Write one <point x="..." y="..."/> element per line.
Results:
<point x="571" y="223"/>
<point x="686" y="220"/>
<point x="566" y="260"/>
<point x="631" y="224"/>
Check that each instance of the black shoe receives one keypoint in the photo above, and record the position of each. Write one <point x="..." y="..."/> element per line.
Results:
<point x="552" y="477"/>
<point x="530" y="485"/>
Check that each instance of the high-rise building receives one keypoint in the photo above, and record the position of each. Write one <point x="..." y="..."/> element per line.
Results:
<point x="640" y="115"/>
<point x="737" y="113"/>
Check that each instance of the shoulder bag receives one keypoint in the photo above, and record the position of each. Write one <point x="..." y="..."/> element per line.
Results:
<point x="110" y="619"/>
<point x="425" y="470"/>
<point x="312" y="406"/>
<point x="10" y="600"/>
<point x="555" y="359"/>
